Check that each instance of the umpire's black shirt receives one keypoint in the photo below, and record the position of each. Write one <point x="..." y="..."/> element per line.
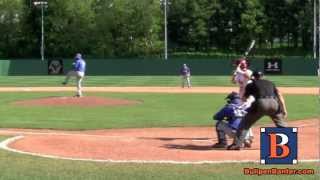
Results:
<point x="260" y="88"/>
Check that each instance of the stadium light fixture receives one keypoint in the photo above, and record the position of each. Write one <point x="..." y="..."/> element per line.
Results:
<point x="42" y="5"/>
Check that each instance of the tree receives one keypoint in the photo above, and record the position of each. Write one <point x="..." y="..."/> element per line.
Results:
<point x="69" y="27"/>
<point x="11" y="15"/>
<point x="131" y="28"/>
<point x="236" y="23"/>
<point x="127" y="28"/>
<point x="306" y="25"/>
<point x="188" y="23"/>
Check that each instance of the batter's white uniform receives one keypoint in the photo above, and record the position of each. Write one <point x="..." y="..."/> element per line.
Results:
<point x="242" y="78"/>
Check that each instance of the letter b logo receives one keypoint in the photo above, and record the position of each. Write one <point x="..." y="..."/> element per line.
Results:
<point x="274" y="146"/>
<point x="278" y="145"/>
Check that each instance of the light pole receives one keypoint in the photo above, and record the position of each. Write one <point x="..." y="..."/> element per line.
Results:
<point x="165" y="31"/>
<point x="42" y="4"/>
<point x="315" y="29"/>
<point x="318" y="30"/>
<point x="316" y="33"/>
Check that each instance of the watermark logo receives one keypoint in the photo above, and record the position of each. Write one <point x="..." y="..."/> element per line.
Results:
<point x="278" y="145"/>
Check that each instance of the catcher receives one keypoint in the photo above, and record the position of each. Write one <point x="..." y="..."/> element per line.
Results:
<point x="228" y="120"/>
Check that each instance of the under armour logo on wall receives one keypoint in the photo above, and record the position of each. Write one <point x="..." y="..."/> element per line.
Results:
<point x="273" y="66"/>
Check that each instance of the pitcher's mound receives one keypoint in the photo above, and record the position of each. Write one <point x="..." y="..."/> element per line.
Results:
<point x="89" y="101"/>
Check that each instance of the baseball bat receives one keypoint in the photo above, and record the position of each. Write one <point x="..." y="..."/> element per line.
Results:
<point x="253" y="42"/>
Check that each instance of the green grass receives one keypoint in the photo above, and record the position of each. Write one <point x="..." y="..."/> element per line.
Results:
<point x="157" y="110"/>
<point x="308" y="81"/>
<point x="17" y="167"/>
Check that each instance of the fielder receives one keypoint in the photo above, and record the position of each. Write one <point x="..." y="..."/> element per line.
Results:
<point x="185" y="75"/>
<point x="228" y="120"/>
<point x="78" y="72"/>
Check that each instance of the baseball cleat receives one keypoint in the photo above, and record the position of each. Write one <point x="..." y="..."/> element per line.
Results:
<point x="219" y="145"/>
<point x="248" y="143"/>
<point x="233" y="147"/>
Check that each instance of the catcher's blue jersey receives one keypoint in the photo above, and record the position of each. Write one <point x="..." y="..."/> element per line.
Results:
<point x="233" y="113"/>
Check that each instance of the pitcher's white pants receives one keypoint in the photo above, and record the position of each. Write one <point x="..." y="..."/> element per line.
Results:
<point x="79" y="77"/>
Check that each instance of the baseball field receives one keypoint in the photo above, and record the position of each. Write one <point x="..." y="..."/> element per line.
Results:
<point x="138" y="127"/>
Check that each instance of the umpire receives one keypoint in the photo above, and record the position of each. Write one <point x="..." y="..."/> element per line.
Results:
<point x="268" y="101"/>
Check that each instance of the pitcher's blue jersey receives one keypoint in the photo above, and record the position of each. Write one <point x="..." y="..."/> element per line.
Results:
<point x="80" y="65"/>
<point x="233" y="113"/>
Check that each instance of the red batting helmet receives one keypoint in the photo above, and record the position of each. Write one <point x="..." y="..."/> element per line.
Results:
<point x="242" y="62"/>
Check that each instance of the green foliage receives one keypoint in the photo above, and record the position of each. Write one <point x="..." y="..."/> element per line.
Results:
<point x="11" y="15"/>
<point x="188" y="23"/>
<point x="69" y="26"/>
<point x="131" y="28"/>
<point x="127" y="28"/>
<point x="288" y="19"/>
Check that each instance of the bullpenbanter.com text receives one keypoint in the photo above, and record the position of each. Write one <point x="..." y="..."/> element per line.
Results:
<point x="277" y="171"/>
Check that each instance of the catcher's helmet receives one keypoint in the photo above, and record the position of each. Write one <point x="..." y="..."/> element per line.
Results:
<point x="257" y="74"/>
<point x="233" y="95"/>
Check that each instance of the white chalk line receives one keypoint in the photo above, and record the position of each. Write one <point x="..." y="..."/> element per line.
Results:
<point x="5" y="146"/>
<point x="126" y="138"/>
<point x="21" y="133"/>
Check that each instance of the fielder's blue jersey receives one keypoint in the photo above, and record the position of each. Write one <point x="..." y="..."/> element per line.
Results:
<point x="184" y="71"/>
<point x="80" y="65"/>
<point x="233" y="113"/>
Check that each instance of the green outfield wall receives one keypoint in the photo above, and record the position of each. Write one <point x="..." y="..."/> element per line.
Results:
<point x="221" y="66"/>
